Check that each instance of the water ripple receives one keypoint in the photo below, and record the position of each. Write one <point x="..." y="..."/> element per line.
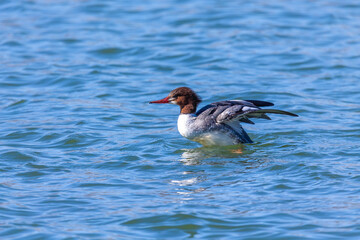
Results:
<point x="84" y="156"/>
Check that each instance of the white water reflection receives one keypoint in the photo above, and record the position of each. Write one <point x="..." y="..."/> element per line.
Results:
<point x="196" y="155"/>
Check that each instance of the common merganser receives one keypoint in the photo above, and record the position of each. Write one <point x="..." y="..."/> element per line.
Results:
<point x="217" y="123"/>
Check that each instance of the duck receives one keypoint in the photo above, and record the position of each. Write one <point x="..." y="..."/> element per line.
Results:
<point x="218" y="123"/>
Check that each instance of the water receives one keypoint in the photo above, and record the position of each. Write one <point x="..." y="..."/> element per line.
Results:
<point x="84" y="156"/>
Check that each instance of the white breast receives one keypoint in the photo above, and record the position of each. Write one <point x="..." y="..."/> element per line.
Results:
<point x="187" y="128"/>
<point x="184" y="124"/>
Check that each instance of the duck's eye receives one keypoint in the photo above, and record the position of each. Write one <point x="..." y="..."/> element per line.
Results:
<point x="175" y="97"/>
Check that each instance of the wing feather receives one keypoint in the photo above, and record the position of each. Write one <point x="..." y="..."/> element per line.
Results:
<point x="238" y="110"/>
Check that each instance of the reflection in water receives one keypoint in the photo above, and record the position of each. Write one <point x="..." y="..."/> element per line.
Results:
<point x="196" y="155"/>
<point x="239" y="161"/>
<point x="187" y="187"/>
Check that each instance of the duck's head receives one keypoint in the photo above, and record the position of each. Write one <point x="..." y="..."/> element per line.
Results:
<point x="186" y="98"/>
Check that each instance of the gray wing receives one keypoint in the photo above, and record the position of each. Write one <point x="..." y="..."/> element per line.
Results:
<point x="230" y="113"/>
<point x="227" y="110"/>
<point x="228" y="103"/>
<point x="238" y="110"/>
<point x="243" y="113"/>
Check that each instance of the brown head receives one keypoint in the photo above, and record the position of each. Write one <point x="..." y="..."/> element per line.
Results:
<point x="186" y="98"/>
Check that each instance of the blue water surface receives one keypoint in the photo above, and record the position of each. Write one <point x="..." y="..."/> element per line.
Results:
<point x="84" y="156"/>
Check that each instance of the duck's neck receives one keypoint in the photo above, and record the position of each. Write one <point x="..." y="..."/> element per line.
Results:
<point x="188" y="109"/>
